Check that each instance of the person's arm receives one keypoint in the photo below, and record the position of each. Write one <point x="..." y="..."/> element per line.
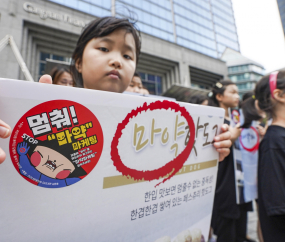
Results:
<point x="223" y="142"/>
<point x="22" y="150"/>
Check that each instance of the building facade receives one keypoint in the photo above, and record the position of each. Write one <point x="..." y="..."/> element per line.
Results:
<point x="206" y="26"/>
<point x="281" y="6"/>
<point x="182" y="40"/>
<point x="243" y="71"/>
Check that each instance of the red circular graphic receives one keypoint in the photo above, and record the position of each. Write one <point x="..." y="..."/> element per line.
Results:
<point x="255" y="147"/>
<point x="56" y="143"/>
<point x="173" y="166"/>
<point x="235" y="116"/>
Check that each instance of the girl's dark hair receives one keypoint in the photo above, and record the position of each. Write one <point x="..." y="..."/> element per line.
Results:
<point x="263" y="95"/>
<point x="57" y="71"/>
<point x="249" y="111"/>
<point x="99" y="28"/>
<point x="197" y="99"/>
<point x="137" y="75"/>
<point x="218" y="88"/>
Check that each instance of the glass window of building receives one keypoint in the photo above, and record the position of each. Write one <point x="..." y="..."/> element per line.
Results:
<point x="152" y="83"/>
<point x="257" y="69"/>
<point x="240" y="77"/>
<point x="153" y="17"/>
<point x="245" y="86"/>
<point x="242" y="68"/>
<point x="204" y="26"/>
<point x="42" y="62"/>
<point x="100" y="8"/>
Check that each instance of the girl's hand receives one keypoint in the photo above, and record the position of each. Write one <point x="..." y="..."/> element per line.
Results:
<point x="223" y="142"/>
<point x="261" y="130"/>
<point x="5" y="132"/>
<point x="235" y="132"/>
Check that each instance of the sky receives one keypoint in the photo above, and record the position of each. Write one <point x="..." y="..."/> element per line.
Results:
<point x="260" y="32"/>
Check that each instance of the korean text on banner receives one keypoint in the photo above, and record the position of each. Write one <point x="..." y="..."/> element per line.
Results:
<point x="97" y="166"/>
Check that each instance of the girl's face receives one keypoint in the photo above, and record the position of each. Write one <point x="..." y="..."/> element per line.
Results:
<point x="135" y="85"/>
<point x="65" y="79"/>
<point x="51" y="163"/>
<point x="230" y="98"/>
<point x="108" y="63"/>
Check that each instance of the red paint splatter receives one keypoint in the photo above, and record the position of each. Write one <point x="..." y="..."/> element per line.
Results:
<point x="172" y="167"/>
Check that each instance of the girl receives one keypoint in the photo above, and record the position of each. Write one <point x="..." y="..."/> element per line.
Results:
<point x="136" y="84"/>
<point x="250" y="153"/>
<point x="270" y="98"/>
<point x="61" y="76"/>
<point x="105" y="58"/>
<point x="227" y="219"/>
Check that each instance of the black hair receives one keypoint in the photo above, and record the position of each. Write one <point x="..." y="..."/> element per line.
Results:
<point x="137" y="75"/>
<point x="197" y="99"/>
<point x="99" y="28"/>
<point x="247" y="95"/>
<point x="66" y="150"/>
<point x="262" y="93"/>
<point x="248" y="108"/>
<point x="57" y="71"/>
<point x="218" y="88"/>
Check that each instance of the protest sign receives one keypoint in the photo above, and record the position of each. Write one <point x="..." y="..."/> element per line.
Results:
<point x="245" y="150"/>
<point x="249" y="143"/>
<point x="85" y="165"/>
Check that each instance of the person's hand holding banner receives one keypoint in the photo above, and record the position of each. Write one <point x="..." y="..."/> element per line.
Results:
<point x="235" y="132"/>
<point x="5" y="132"/>
<point x="223" y="142"/>
<point x="261" y="130"/>
<point x="45" y="79"/>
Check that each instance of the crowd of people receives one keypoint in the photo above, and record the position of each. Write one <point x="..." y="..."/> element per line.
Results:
<point x="264" y="106"/>
<point x="105" y="59"/>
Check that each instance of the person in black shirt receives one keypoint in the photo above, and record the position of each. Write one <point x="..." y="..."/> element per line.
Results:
<point x="229" y="218"/>
<point x="270" y="97"/>
<point x="271" y="184"/>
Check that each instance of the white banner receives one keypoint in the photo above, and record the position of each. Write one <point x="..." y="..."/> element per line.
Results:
<point x="85" y="165"/>
<point x="246" y="159"/>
